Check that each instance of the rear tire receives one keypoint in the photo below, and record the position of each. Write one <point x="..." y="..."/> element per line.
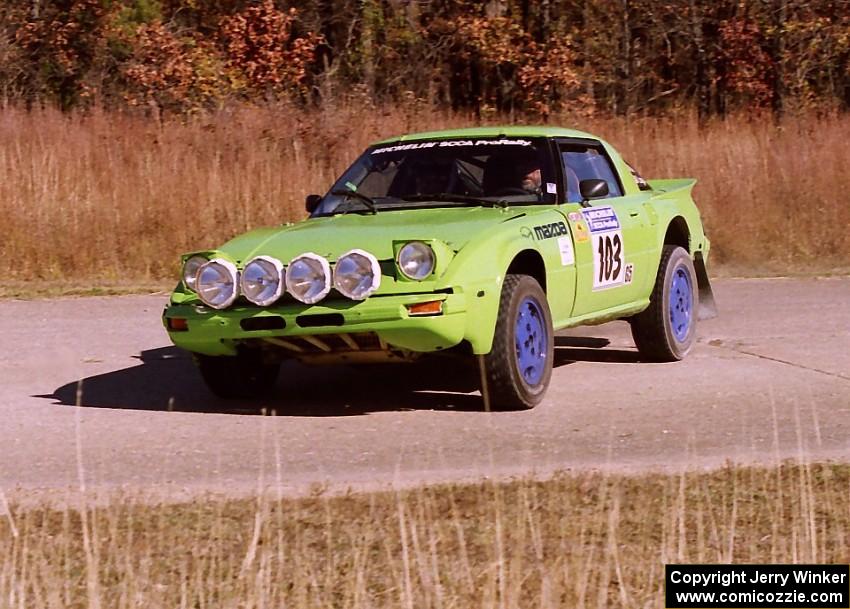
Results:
<point x="665" y="331"/>
<point x="519" y="366"/>
<point x="242" y="376"/>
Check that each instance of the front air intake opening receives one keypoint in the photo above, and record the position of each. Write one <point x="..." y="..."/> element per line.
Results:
<point x="320" y="319"/>
<point x="265" y="322"/>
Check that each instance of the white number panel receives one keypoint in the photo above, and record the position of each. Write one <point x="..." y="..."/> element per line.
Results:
<point x="607" y="247"/>
<point x="609" y="264"/>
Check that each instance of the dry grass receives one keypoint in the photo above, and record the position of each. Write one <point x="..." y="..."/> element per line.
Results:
<point x="772" y="198"/>
<point x="574" y="541"/>
<point x="105" y="197"/>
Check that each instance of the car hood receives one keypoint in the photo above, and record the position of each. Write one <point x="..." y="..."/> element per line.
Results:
<point x="334" y="235"/>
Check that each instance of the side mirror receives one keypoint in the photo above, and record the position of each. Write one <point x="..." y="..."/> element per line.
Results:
<point x="312" y="202"/>
<point x="592" y="189"/>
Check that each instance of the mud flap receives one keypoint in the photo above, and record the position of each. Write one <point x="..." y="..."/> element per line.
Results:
<point x="707" y="304"/>
<point x="485" y="386"/>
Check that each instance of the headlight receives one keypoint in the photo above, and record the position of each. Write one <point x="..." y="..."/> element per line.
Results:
<point x="308" y="278"/>
<point x="262" y="280"/>
<point x="190" y="270"/>
<point x="218" y="283"/>
<point x="416" y="260"/>
<point x="357" y="274"/>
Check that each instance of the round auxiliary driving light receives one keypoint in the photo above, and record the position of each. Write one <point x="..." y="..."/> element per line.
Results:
<point x="357" y="274"/>
<point x="308" y="278"/>
<point x="218" y="283"/>
<point x="416" y="260"/>
<point x="262" y="280"/>
<point x="190" y="270"/>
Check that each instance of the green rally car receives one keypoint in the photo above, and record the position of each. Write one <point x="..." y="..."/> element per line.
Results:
<point x="475" y="242"/>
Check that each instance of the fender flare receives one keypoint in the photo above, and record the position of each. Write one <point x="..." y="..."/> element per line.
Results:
<point x="484" y="293"/>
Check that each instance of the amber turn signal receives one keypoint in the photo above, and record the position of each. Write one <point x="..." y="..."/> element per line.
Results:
<point x="434" y="307"/>
<point x="177" y="324"/>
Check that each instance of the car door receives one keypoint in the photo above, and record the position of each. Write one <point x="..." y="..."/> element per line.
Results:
<point x="609" y="234"/>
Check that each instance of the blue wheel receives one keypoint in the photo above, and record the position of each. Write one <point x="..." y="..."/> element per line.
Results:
<point x="681" y="303"/>
<point x="519" y="365"/>
<point x="532" y="341"/>
<point x="665" y="331"/>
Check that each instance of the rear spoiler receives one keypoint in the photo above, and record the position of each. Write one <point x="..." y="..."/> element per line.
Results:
<point x="670" y="186"/>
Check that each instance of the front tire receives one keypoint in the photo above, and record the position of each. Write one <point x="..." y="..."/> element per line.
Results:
<point x="666" y="330"/>
<point x="519" y="366"/>
<point x="242" y="376"/>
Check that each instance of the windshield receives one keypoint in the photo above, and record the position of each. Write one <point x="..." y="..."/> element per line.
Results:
<point x="446" y="173"/>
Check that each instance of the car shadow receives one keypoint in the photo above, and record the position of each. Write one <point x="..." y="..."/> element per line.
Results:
<point x="572" y="349"/>
<point x="166" y="380"/>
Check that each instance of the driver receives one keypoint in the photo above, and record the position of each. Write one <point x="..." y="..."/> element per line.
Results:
<point x="531" y="180"/>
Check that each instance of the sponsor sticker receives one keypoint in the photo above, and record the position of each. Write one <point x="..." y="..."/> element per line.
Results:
<point x="450" y="144"/>
<point x="551" y="188"/>
<point x="601" y="219"/>
<point x="565" y="247"/>
<point x="581" y="232"/>
<point x="575" y="216"/>
<point x="547" y="231"/>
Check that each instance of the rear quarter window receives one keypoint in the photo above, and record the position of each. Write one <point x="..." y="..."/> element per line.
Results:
<point x="639" y="180"/>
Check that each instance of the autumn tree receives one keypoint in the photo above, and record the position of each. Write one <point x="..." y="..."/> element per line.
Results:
<point x="619" y="57"/>
<point x="262" y="47"/>
<point x="64" y="43"/>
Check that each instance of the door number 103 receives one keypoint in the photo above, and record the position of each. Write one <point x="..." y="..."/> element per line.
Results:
<point x="608" y="259"/>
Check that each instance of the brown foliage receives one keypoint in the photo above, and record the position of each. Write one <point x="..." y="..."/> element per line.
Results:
<point x="609" y="56"/>
<point x="171" y="73"/>
<point x="742" y="48"/>
<point x="159" y="72"/>
<point x="528" y="74"/>
<point x="261" y="46"/>
<point x="67" y="43"/>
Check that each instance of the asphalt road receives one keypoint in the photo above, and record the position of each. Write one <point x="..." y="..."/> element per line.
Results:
<point x="769" y="379"/>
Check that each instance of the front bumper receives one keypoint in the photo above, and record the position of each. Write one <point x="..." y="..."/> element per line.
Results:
<point x="213" y="332"/>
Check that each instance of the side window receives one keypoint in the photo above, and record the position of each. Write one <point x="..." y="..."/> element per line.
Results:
<point x="587" y="163"/>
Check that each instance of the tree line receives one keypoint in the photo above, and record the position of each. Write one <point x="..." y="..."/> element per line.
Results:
<point x="612" y="57"/>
